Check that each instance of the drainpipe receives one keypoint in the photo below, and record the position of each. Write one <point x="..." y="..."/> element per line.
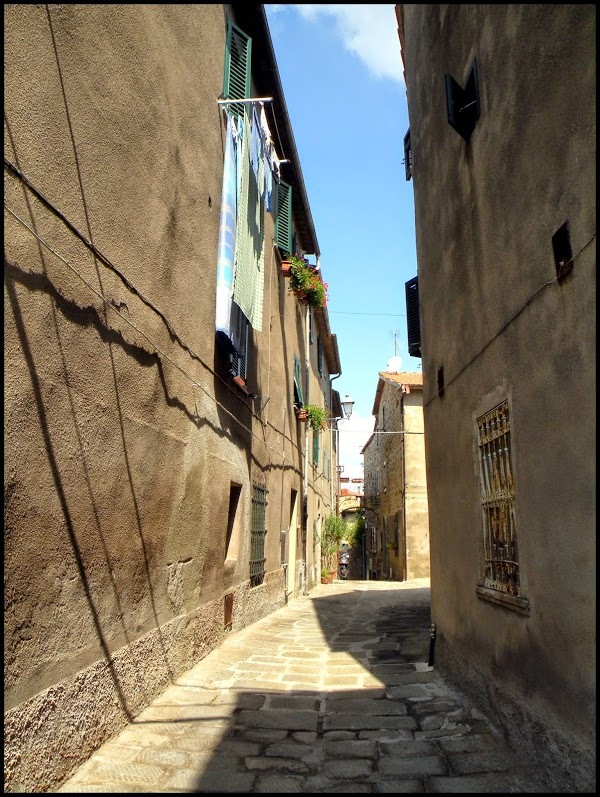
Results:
<point x="334" y="469"/>
<point x="403" y="449"/>
<point x="307" y="425"/>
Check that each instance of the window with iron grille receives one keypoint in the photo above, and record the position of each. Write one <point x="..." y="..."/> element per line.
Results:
<point x="258" y="534"/>
<point x="501" y="561"/>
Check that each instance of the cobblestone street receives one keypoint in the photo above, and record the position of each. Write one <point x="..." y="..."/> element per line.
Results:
<point x="331" y="693"/>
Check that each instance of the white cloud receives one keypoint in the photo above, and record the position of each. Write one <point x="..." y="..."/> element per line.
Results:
<point x="368" y="31"/>
<point x="354" y="433"/>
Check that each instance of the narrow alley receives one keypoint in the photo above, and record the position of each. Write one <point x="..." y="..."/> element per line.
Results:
<point x="331" y="693"/>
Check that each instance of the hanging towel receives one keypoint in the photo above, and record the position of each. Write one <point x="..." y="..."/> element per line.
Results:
<point x="248" y="283"/>
<point x="227" y="235"/>
<point x="255" y="143"/>
<point x="269" y="151"/>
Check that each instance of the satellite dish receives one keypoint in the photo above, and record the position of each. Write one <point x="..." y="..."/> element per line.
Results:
<point x="394" y="365"/>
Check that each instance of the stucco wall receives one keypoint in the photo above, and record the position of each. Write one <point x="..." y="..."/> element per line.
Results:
<point x="123" y="432"/>
<point x="495" y="319"/>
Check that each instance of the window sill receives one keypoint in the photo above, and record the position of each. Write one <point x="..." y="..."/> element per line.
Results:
<point x="519" y="605"/>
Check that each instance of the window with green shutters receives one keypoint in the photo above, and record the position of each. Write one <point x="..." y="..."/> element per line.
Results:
<point x="298" y="394"/>
<point x="320" y="356"/>
<point x="283" y="217"/>
<point x="315" y="448"/>
<point x="236" y="76"/>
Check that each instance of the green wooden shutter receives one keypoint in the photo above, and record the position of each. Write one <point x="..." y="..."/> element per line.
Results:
<point x="315" y="448"/>
<point x="283" y="217"/>
<point x="236" y="77"/>
<point x="298" y="395"/>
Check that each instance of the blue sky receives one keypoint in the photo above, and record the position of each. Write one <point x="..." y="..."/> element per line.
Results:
<point x="341" y="72"/>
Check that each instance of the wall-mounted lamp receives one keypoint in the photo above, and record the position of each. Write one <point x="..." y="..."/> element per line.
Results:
<point x="347" y="405"/>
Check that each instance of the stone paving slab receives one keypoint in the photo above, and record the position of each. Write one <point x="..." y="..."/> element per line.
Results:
<point x="329" y="694"/>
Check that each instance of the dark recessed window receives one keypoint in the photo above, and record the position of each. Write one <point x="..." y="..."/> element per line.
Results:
<point x="463" y="103"/>
<point x="563" y="254"/>
<point x="440" y="381"/>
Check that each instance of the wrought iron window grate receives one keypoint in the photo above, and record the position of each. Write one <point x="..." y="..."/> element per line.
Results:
<point x="498" y="501"/>
<point x="257" y="534"/>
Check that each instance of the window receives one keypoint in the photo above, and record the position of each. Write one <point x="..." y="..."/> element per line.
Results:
<point x="298" y="394"/>
<point x="236" y="74"/>
<point x="283" y="217"/>
<point x="384" y="476"/>
<point x="258" y="534"/>
<point x="311" y="331"/>
<point x="563" y="254"/>
<point x="239" y="358"/>
<point x="319" y="355"/>
<point x="501" y="563"/>
<point x="463" y="104"/>
<point x="315" y="448"/>
<point x="234" y="499"/>
<point x="412" y="317"/>
<point x="283" y="550"/>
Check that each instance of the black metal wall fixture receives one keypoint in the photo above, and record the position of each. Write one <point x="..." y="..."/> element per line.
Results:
<point x="463" y="105"/>
<point x="407" y="155"/>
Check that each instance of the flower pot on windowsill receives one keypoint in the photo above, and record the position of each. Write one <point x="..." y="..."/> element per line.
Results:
<point x="301" y="414"/>
<point x="286" y="268"/>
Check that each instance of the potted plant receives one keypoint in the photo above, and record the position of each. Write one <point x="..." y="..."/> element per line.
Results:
<point x="301" y="413"/>
<point x="306" y="283"/>
<point x="288" y="260"/>
<point x="334" y="529"/>
<point x="317" y="417"/>
<point x="326" y="575"/>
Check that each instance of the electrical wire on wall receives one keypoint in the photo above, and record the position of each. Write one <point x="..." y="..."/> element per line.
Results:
<point x="510" y="320"/>
<point x="154" y="346"/>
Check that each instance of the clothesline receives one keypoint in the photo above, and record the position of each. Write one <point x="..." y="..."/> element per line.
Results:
<point x="255" y="100"/>
<point x="246" y="99"/>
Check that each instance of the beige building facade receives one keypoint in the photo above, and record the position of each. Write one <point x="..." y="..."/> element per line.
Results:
<point x="159" y="490"/>
<point x="502" y="154"/>
<point x="395" y="481"/>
